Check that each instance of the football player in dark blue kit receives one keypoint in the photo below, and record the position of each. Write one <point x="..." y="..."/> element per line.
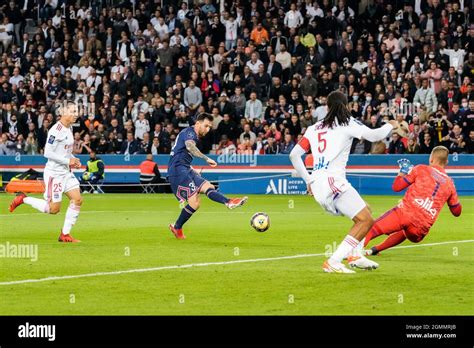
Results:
<point x="185" y="182"/>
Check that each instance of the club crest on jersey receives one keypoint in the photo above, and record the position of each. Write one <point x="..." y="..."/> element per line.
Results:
<point x="51" y="139"/>
<point x="426" y="204"/>
<point x="321" y="164"/>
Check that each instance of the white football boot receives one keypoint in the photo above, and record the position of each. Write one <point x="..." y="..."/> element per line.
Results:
<point x="335" y="267"/>
<point x="362" y="262"/>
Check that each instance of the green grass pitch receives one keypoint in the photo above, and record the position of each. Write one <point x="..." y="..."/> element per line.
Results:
<point x="129" y="232"/>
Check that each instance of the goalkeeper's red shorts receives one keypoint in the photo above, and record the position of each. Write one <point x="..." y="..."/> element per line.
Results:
<point x="397" y="219"/>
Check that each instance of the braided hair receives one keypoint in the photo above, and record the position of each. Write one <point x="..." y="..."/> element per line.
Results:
<point x="338" y="111"/>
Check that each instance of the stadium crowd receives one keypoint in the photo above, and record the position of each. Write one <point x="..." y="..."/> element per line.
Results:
<point x="263" y="69"/>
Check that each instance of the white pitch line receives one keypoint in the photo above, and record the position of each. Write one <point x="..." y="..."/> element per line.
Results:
<point x="162" y="211"/>
<point x="203" y="264"/>
<point x="174" y="212"/>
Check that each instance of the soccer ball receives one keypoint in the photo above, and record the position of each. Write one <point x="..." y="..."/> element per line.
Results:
<point x="86" y="176"/>
<point x="260" y="222"/>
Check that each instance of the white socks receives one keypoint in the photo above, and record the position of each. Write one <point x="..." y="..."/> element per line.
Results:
<point x="345" y="248"/>
<point x="38" y="204"/>
<point x="71" y="217"/>
<point x="359" y="250"/>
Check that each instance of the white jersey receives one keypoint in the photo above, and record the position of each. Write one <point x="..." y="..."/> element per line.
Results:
<point x="331" y="146"/>
<point x="58" y="149"/>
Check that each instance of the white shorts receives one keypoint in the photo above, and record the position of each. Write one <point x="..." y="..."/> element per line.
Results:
<point x="337" y="196"/>
<point x="57" y="184"/>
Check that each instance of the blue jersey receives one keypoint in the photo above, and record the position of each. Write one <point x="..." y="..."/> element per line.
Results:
<point x="180" y="158"/>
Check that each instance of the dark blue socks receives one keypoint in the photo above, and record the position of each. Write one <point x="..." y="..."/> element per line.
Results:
<point x="186" y="213"/>
<point x="216" y="196"/>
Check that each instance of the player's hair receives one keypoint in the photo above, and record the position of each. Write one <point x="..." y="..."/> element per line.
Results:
<point x="441" y="154"/>
<point x="204" y="116"/>
<point x="338" y="111"/>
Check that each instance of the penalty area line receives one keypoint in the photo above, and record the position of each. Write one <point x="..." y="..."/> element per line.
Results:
<point x="204" y="264"/>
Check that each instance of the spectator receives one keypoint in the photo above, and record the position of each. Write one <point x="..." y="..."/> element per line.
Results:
<point x="426" y="97"/>
<point x="253" y="107"/>
<point x="280" y="59"/>
<point x="6" y="34"/>
<point x="458" y="144"/>
<point x="192" y="97"/>
<point x="427" y="145"/>
<point x="470" y="142"/>
<point x="309" y="85"/>
<point x="396" y="146"/>
<point x="142" y="126"/>
<point x="248" y="131"/>
<point x="433" y="75"/>
<point x="360" y="146"/>
<point x="271" y="147"/>
<point x="226" y="146"/>
<point x="293" y="18"/>
<point x="245" y="147"/>
<point x="287" y="145"/>
<point x="130" y="146"/>
<point x="227" y="127"/>
<point x="31" y="147"/>
<point x="412" y="147"/>
<point x="284" y="58"/>
<point x="321" y="111"/>
<point x="259" y="34"/>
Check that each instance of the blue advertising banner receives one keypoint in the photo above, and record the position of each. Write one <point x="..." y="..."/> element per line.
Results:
<point x="260" y="174"/>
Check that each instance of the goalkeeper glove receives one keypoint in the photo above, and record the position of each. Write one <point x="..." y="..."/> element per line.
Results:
<point x="405" y="166"/>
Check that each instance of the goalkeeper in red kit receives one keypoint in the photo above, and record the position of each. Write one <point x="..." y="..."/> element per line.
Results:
<point x="429" y="188"/>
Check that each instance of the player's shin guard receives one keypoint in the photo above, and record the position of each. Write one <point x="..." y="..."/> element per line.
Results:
<point x="186" y="213"/>
<point x="37" y="203"/>
<point x="393" y="239"/>
<point x="71" y="217"/>
<point x="344" y="249"/>
<point x="216" y="196"/>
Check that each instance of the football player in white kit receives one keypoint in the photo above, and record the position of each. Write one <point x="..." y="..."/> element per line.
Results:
<point x="57" y="174"/>
<point x="330" y="142"/>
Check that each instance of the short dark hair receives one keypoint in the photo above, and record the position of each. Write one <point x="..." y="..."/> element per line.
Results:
<point x="204" y="116"/>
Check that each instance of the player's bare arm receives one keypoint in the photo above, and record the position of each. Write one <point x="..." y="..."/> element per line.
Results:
<point x="298" y="164"/>
<point x="193" y="150"/>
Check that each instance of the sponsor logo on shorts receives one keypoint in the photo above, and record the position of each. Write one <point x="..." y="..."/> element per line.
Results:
<point x="426" y="204"/>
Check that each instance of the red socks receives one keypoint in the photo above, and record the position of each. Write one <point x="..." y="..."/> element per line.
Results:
<point x="393" y="239"/>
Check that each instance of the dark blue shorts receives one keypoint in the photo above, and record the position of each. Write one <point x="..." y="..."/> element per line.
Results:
<point x="186" y="184"/>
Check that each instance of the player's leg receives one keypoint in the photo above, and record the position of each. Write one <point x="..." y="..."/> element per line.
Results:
<point x="216" y="196"/>
<point x="416" y="234"/>
<point x="73" y="192"/>
<point x="213" y="194"/>
<point x="186" y="190"/>
<point x="350" y="204"/>
<point x="412" y="233"/>
<point x="51" y="204"/>
<point x="193" y="204"/>
<point x="392" y="240"/>
<point x="389" y="223"/>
